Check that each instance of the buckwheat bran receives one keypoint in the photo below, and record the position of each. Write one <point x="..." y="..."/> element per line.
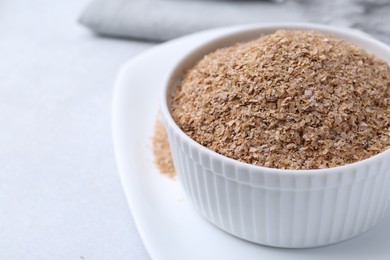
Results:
<point x="290" y="100"/>
<point x="161" y="150"/>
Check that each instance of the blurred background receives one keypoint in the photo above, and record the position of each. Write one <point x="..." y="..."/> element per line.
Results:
<point x="60" y="195"/>
<point x="160" y="20"/>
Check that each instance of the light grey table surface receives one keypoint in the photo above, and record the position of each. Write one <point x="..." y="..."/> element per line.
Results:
<point x="60" y="194"/>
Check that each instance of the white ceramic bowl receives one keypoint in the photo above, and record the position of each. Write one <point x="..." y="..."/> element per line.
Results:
<point x="282" y="208"/>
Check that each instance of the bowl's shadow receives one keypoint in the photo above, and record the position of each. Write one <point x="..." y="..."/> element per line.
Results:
<point x="374" y="244"/>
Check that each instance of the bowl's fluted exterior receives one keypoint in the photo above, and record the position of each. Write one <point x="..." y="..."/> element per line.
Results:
<point x="282" y="209"/>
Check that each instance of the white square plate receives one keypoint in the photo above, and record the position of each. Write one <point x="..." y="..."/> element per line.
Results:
<point x="169" y="227"/>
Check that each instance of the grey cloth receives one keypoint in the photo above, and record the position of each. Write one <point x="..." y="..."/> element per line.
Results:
<point x="160" y="20"/>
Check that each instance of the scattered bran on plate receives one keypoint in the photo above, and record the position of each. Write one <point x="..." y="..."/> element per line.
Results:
<point x="161" y="149"/>
<point x="290" y="100"/>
